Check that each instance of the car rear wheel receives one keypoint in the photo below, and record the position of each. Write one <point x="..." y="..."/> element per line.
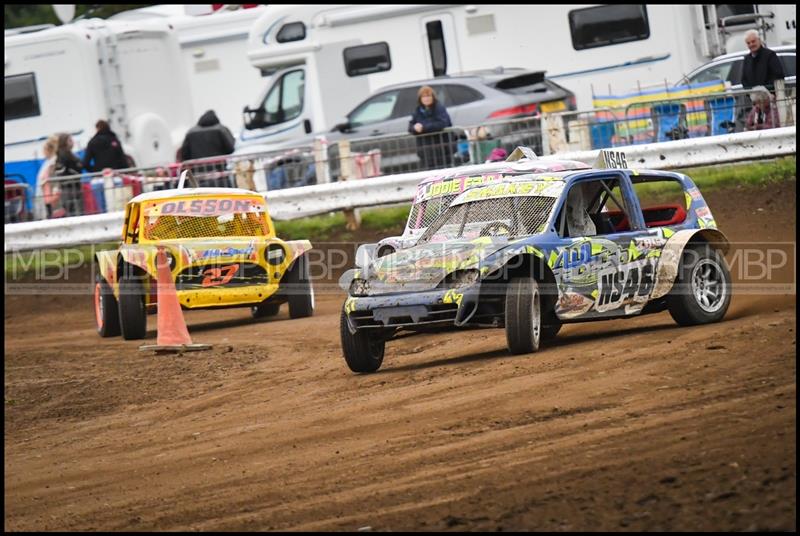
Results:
<point x="523" y="315"/>
<point x="300" y="290"/>
<point x="265" y="309"/>
<point x="132" y="313"/>
<point x="702" y="290"/>
<point x="362" y="352"/>
<point x="105" y="309"/>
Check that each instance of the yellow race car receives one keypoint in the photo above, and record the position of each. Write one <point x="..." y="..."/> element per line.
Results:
<point x="222" y="251"/>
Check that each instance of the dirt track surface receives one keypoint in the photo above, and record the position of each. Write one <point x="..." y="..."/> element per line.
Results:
<point x="620" y="425"/>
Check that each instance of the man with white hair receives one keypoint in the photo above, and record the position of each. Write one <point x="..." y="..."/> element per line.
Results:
<point x="762" y="66"/>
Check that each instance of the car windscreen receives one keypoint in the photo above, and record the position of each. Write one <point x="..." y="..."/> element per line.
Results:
<point x="425" y="212"/>
<point x="508" y="217"/>
<point x="204" y="218"/>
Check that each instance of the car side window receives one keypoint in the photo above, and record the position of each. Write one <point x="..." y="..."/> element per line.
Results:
<point x="593" y="208"/>
<point x="375" y="109"/>
<point x="285" y="99"/>
<point x="735" y="74"/>
<point x="715" y="72"/>
<point x="789" y="62"/>
<point x="661" y="199"/>
<point x="458" y="95"/>
<point x="406" y="102"/>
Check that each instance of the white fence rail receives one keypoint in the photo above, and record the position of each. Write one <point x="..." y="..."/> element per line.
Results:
<point x="319" y="199"/>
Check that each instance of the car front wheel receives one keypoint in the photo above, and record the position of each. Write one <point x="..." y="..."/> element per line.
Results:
<point x="132" y="312"/>
<point x="362" y="352"/>
<point x="523" y="315"/>
<point x="105" y="309"/>
<point x="300" y="290"/>
<point x="265" y="309"/>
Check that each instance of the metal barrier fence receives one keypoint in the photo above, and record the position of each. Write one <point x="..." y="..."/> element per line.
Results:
<point x="292" y="203"/>
<point x="639" y="123"/>
<point x="672" y="119"/>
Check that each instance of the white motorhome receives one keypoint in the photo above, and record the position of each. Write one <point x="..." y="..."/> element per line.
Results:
<point x="65" y="78"/>
<point x="325" y="59"/>
<point x="213" y="47"/>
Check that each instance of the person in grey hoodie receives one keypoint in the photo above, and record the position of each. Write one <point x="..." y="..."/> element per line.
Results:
<point x="206" y="139"/>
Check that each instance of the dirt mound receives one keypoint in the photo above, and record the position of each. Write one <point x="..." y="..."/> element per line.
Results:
<point x="631" y="424"/>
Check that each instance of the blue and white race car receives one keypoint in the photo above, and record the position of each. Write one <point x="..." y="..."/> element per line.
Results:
<point x="533" y="252"/>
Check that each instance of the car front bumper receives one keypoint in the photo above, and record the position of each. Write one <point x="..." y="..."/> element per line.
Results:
<point x="433" y="307"/>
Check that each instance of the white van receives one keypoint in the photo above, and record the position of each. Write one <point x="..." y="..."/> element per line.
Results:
<point x="65" y="78"/>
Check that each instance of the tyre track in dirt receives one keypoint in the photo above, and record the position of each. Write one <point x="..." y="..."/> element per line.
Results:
<point x="619" y="425"/>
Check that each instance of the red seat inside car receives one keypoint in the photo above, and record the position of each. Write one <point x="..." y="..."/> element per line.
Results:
<point x="655" y="216"/>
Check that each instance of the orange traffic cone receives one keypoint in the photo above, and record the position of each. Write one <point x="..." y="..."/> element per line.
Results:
<point x="172" y="334"/>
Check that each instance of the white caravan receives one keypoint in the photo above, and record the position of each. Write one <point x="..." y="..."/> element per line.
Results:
<point x="65" y="78"/>
<point x="325" y="59"/>
<point x="214" y="54"/>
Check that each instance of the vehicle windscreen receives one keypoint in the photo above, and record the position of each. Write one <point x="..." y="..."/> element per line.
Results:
<point x="425" y="212"/>
<point x="204" y="218"/>
<point x="433" y="198"/>
<point x="509" y="217"/>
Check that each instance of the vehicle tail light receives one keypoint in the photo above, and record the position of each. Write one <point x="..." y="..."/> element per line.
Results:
<point x="522" y="109"/>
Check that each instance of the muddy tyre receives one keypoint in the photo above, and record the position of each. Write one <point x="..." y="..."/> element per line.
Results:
<point x="702" y="290"/>
<point x="132" y="311"/>
<point x="265" y="310"/>
<point x="362" y="352"/>
<point x="106" y="309"/>
<point x="523" y="315"/>
<point x="300" y="290"/>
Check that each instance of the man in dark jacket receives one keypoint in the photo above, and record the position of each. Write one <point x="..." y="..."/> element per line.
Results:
<point x="206" y="139"/>
<point x="762" y="66"/>
<point x="104" y="150"/>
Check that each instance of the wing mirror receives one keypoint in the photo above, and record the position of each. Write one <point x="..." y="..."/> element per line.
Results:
<point x="344" y="126"/>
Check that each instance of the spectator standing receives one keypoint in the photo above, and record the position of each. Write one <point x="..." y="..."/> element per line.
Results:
<point x="206" y="139"/>
<point x="104" y="150"/>
<point x="67" y="164"/>
<point x="763" y="115"/>
<point x="762" y="66"/>
<point x="47" y="201"/>
<point x="430" y="117"/>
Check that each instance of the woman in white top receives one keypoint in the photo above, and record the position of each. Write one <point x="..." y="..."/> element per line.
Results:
<point x="40" y="211"/>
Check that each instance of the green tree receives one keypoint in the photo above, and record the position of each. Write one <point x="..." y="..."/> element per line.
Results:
<point x="17" y="15"/>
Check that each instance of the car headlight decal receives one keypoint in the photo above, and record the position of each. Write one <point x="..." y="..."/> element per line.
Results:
<point x="359" y="287"/>
<point x="460" y="278"/>
<point x="274" y="254"/>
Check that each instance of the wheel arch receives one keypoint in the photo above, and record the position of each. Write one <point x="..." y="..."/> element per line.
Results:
<point x="524" y="264"/>
<point x="672" y="253"/>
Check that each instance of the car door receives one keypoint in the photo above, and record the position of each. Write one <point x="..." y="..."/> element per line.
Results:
<point x="600" y="268"/>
